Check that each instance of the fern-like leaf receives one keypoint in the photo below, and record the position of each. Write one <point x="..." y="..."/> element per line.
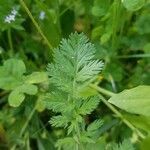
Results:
<point x="67" y="143"/>
<point x="74" y="68"/>
<point x="57" y="102"/>
<point x="95" y="125"/>
<point x="125" y="145"/>
<point x="89" y="105"/>
<point x="74" y="62"/>
<point x="93" y="128"/>
<point x="59" y="121"/>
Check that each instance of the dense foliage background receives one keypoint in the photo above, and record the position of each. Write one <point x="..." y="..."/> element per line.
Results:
<point x="29" y="32"/>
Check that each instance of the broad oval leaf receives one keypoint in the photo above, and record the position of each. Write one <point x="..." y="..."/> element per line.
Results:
<point x="15" y="98"/>
<point x="37" y="77"/>
<point x="9" y="82"/>
<point x="14" y="67"/>
<point x="11" y="74"/>
<point x="28" y="89"/>
<point x="133" y="5"/>
<point x="135" y="100"/>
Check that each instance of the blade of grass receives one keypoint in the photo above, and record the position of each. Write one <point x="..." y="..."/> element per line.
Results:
<point x="25" y="126"/>
<point x="23" y="4"/>
<point x="10" y="41"/>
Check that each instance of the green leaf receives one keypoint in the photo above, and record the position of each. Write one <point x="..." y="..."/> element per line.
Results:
<point x="125" y="145"/>
<point x="57" y="102"/>
<point x="145" y="145"/>
<point x="74" y="68"/>
<point x="93" y="128"/>
<point x="105" y="37"/>
<point x="67" y="143"/>
<point x="141" y="122"/>
<point x="59" y="121"/>
<point x="9" y="82"/>
<point x="40" y="103"/>
<point x="11" y="74"/>
<point x="28" y="89"/>
<point x="74" y="62"/>
<point x="92" y="68"/>
<point x="100" y="144"/>
<point x="135" y="100"/>
<point x="96" y="32"/>
<point x="14" y="67"/>
<point x="15" y="98"/>
<point x="36" y="77"/>
<point x="142" y="25"/>
<point x="86" y="139"/>
<point x="87" y="91"/>
<point x="95" y="125"/>
<point x="89" y="105"/>
<point x="133" y="5"/>
<point x="100" y="7"/>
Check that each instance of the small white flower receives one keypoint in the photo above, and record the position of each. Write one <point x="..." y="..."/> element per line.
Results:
<point x="11" y="17"/>
<point x="14" y="12"/>
<point x="42" y="15"/>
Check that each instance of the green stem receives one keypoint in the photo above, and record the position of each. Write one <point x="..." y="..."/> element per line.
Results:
<point x="36" y="25"/>
<point x="135" y="56"/>
<point x="10" y="40"/>
<point x="70" y="6"/>
<point x="101" y="90"/>
<point x="27" y="121"/>
<point x="115" y="22"/>
<point x="79" y="145"/>
<point x="114" y="110"/>
<point x="25" y="126"/>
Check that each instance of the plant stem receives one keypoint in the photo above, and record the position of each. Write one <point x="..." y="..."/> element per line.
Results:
<point x="27" y="121"/>
<point x="36" y="25"/>
<point x="115" y="22"/>
<point x="135" y="56"/>
<point x="10" y="40"/>
<point x="79" y="145"/>
<point x="101" y="90"/>
<point x="25" y="126"/>
<point x="70" y="6"/>
<point x="113" y="109"/>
